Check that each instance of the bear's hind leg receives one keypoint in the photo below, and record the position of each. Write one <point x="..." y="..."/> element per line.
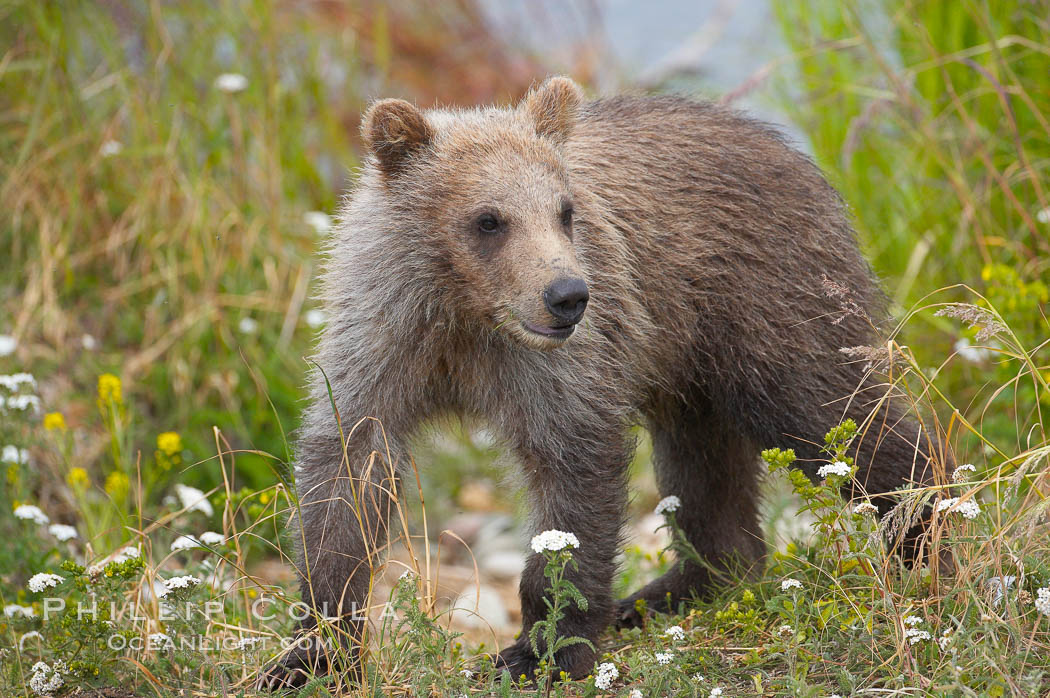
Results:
<point x="714" y="471"/>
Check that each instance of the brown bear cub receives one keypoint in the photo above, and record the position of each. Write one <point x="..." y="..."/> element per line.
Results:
<point x="563" y="270"/>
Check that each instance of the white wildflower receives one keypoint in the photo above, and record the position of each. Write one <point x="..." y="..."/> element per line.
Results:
<point x="675" y="632"/>
<point x="231" y="82"/>
<point x="170" y="585"/>
<point x="88" y="342"/>
<point x="664" y="657"/>
<point x="912" y="633"/>
<point x="13" y="609"/>
<point x="320" y="221"/>
<point x="212" y="538"/>
<point x="960" y="473"/>
<point x="28" y="512"/>
<point x="184" y="543"/>
<point x="467" y="674"/>
<point x="24" y="403"/>
<point x="248" y="325"/>
<point x="945" y="640"/>
<point x="698" y="677"/>
<point x="865" y="508"/>
<point x="62" y="532"/>
<point x="1042" y="601"/>
<point x="15" y="381"/>
<point x="914" y="636"/>
<point x="315" y="318"/>
<point x="716" y="692"/>
<point x="786" y="630"/>
<point x="968" y="508"/>
<point x="668" y="504"/>
<point x="47" y="679"/>
<point x="158" y="640"/>
<point x="607" y="673"/>
<point x="44" y="580"/>
<point x="13" y="454"/>
<point x="8" y="344"/>
<point x="553" y="541"/>
<point x="110" y="148"/>
<point x="789" y="584"/>
<point x="126" y="554"/>
<point x="247" y="643"/>
<point x="1043" y="215"/>
<point x="193" y="499"/>
<point x="635" y="693"/>
<point x="839" y="468"/>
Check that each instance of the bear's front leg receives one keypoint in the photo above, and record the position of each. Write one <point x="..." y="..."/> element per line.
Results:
<point x="581" y="491"/>
<point x="346" y="492"/>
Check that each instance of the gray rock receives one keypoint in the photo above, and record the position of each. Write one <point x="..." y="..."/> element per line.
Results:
<point x="506" y="564"/>
<point x="480" y="607"/>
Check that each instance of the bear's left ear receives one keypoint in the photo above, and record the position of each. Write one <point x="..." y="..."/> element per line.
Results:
<point x="553" y="107"/>
<point x="393" y="129"/>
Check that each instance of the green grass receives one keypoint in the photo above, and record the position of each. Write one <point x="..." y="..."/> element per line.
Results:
<point x="931" y="118"/>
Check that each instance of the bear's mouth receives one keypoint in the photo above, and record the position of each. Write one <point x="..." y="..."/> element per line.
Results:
<point x="558" y="332"/>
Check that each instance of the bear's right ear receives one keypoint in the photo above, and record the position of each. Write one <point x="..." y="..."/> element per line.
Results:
<point x="393" y="129"/>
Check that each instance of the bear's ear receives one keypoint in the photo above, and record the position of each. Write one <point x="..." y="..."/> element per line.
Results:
<point x="553" y="107"/>
<point x="393" y="129"/>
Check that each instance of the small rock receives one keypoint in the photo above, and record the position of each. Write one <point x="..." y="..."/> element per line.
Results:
<point x="480" y="607"/>
<point x="486" y="546"/>
<point x="507" y="564"/>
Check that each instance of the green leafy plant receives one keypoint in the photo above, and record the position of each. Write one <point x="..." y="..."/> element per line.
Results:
<point x="543" y="636"/>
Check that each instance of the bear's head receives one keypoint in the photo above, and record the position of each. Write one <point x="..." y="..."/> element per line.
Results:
<point x="483" y="202"/>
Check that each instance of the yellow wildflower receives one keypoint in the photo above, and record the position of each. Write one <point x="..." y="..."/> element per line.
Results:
<point x="117" y="484"/>
<point x="54" y="421"/>
<point x="109" y="389"/>
<point x="264" y="497"/>
<point x="169" y="443"/>
<point x="78" y="478"/>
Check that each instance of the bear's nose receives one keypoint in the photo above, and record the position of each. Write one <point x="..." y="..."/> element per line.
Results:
<point x="566" y="299"/>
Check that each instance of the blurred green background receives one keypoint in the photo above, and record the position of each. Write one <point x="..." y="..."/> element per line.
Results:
<point x="167" y="171"/>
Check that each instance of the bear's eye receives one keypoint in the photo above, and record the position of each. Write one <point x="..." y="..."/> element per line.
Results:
<point x="566" y="216"/>
<point x="488" y="223"/>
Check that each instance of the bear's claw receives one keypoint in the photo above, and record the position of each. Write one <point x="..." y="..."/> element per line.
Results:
<point x="627" y="615"/>
<point x="294" y="668"/>
<point x="518" y="660"/>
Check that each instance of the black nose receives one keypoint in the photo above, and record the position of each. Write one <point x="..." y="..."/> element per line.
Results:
<point x="566" y="299"/>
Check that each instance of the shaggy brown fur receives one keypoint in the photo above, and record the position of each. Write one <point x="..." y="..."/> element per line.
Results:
<point x="704" y="241"/>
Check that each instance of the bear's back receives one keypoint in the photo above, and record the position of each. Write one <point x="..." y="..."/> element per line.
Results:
<point x="729" y="230"/>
